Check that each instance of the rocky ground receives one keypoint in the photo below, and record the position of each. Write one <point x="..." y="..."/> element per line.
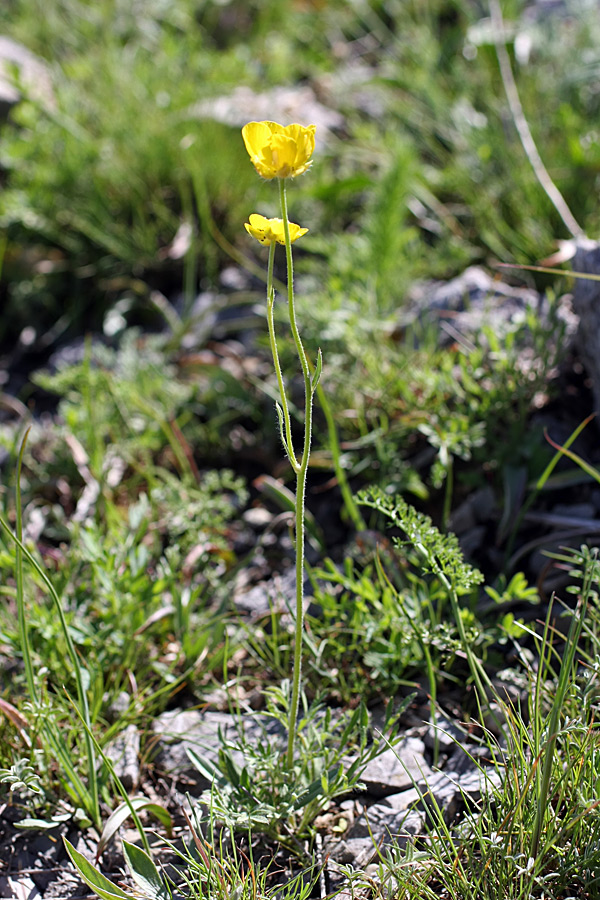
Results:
<point x="403" y="783"/>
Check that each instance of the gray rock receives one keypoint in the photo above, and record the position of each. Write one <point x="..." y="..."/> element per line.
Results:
<point x="512" y="686"/>
<point x="378" y="827"/>
<point x="451" y="790"/>
<point x="356" y="851"/>
<point x="397" y="768"/>
<point x="408" y="799"/>
<point x="478" y="508"/>
<point x="471" y="541"/>
<point x="383" y="820"/>
<point x="19" y="886"/>
<point x="280" y="104"/>
<point x="351" y="892"/>
<point x="448" y="733"/>
<point x="586" y="305"/>
<point x="442" y="791"/>
<point x="258" y="517"/>
<point x="466" y="303"/>
<point x="461" y="760"/>
<point x="276" y="593"/>
<point x="478" y="782"/>
<point x="124" y="753"/>
<point x="575" y="510"/>
<point x="177" y="732"/>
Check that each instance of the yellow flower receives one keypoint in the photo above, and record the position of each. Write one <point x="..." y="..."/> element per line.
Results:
<point x="268" y="231"/>
<point x="277" y="151"/>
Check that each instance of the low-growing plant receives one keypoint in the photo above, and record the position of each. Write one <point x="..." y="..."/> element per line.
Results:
<point x="204" y="869"/>
<point x="21" y="778"/>
<point x="372" y="626"/>
<point x="251" y="789"/>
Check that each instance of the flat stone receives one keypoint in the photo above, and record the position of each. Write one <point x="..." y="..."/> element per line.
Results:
<point x="378" y="827"/>
<point x="277" y="593"/>
<point x="381" y="819"/>
<point x="450" y="790"/>
<point x="397" y="768"/>
<point x="447" y="732"/>
<point x="478" y="782"/>
<point x="463" y="305"/>
<point x="279" y="104"/>
<point x="461" y="760"/>
<point x="471" y="541"/>
<point x="404" y="800"/>
<point x="586" y="305"/>
<point x="352" y="851"/>
<point x="258" y="517"/>
<point x="177" y="732"/>
<point x="575" y="510"/>
<point x="442" y="790"/>
<point x="354" y="893"/>
<point x="478" y="508"/>
<point x="19" y="887"/>
<point x="124" y="753"/>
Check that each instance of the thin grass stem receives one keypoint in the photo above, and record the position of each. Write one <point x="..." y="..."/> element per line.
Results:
<point x="94" y="808"/>
<point x="21" y="613"/>
<point x="564" y="678"/>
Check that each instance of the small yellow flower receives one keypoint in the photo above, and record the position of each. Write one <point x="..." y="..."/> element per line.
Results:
<point x="269" y="231"/>
<point x="279" y="151"/>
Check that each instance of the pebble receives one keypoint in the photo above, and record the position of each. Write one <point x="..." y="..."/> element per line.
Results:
<point x="397" y="768"/>
<point x="586" y="295"/>
<point x="124" y="753"/>
<point x="32" y="72"/>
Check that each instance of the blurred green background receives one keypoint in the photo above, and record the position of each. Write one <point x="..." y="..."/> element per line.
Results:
<point x="136" y="133"/>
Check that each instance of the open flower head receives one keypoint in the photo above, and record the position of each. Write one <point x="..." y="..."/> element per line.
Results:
<point x="279" y="151"/>
<point x="269" y="231"/>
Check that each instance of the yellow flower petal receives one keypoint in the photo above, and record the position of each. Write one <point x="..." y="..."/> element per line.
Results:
<point x="295" y="233"/>
<point x="279" y="151"/>
<point x="259" y="227"/>
<point x="270" y="231"/>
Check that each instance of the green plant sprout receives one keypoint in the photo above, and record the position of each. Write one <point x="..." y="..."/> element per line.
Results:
<point x="205" y="869"/>
<point x="278" y="152"/>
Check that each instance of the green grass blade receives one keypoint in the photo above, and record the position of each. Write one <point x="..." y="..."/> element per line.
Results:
<point x="94" y="879"/>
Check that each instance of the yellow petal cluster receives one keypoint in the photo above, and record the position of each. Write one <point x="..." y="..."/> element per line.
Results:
<point x="269" y="231"/>
<point x="279" y="151"/>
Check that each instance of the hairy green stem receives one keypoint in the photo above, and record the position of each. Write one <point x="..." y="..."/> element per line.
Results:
<point x="301" y="473"/>
<point x="448" y="491"/>
<point x="284" y="409"/>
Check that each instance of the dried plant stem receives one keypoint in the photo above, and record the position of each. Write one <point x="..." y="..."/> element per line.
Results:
<point x="522" y="126"/>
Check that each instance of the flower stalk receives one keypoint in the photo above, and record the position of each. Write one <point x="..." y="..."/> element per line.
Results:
<point x="301" y="472"/>
<point x="284" y="153"/>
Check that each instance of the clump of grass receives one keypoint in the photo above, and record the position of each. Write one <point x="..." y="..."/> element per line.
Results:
<point x="535" y="831"/>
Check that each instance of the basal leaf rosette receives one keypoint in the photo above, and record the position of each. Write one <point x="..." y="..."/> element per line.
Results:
<point x="279" y="151"/>
<point x="270" y="231"/>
